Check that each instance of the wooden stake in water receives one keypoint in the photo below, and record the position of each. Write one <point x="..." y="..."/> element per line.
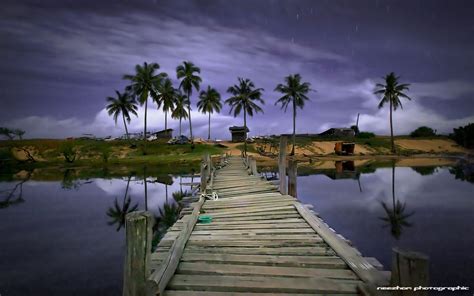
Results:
<point x="138" y="229"/>
<point x="292" y="176"/>
<point x="409" y="269"/>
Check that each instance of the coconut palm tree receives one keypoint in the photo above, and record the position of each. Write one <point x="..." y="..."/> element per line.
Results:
<point x="144" y="83"/>
<point x="189" y="80"/>
<point x="166" y="98"/>
<point x="123" y="105"/>
<point x="179" y="112"/>
<point x="392" y="91"/>
<point x="209" y="101"/>
<point x="245" y="97"/>
<point x="294" y="91"/>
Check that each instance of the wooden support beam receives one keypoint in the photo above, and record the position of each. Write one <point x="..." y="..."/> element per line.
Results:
<point x="409" y="269"/>
<point x="158" y="281"/>
<point x="354" y="260"/>
<point x="292" y="177"/>
<point x="138" y="234"/>
<point x="282" y="164"/>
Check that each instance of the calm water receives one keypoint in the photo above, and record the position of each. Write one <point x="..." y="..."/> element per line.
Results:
<point x="56" y="238"/>
<point x="435" y="210"/>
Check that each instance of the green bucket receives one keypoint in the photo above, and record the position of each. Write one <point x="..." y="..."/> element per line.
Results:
<point x="205" y="219"/>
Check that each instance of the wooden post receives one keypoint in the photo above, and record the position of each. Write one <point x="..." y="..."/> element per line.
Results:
<point x="253" y="166"/>
<point x="292" y="176"/>
<point x="282" y="164"/>
<point x="409" y="269"/>
<point x="209" y="163"/>
<point x="138" y="235"/>
<point x="203" y="176"/>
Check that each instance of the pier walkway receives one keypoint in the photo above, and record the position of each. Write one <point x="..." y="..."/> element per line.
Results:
<point x="260" y="242"/>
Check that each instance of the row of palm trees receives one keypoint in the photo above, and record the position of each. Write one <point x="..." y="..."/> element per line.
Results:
<point x="245" y="97"/>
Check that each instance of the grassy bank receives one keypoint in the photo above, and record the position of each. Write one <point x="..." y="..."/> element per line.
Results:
<point x="28" y="154"/>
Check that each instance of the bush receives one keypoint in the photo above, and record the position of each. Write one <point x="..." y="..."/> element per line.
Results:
<point x="365" y="135"/>
<point x="464" y="135"/>
<point x="68" y="151"/>
<point x="423" y="131"/>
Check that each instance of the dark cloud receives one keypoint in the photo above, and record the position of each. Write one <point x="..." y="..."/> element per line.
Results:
<point x="60" y="59"/>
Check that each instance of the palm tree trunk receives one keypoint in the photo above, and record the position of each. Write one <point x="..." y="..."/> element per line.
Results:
<point x="391" y="128"/>
<point x="166" y="120"/>
<point x="125" y="125"/>
<point x="245" y="132"/>
<point x="146" y="188"/>
<point x="144" y="128"/>
<point x="180" y="126"/>
<point x="189" y="111"/>
<point x="209" y="128"/>
<point x="294" y="128"/>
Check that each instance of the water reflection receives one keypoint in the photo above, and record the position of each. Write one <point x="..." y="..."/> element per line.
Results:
<point x="118" y="212"/>
<point x="14" y="195"/>
<point x="71" y="180"/>
<point x="395" y="217"/>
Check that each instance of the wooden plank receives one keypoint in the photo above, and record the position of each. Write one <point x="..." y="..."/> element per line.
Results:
<point x="259" y="284"/>
<point x="253" y="232"/>
<point x="294" y="251"/>
<point x="251" y="270"/>
<point x="270" y="260"/>
<point x="356" y="262"/>
<point x="227" y="293"/>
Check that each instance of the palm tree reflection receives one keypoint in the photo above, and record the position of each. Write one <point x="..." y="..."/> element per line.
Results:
<point x="118" y="212"/>
<point x="395" y="217"/>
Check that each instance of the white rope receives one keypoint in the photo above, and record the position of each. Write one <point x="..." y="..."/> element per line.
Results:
<point x="210" y="196"/>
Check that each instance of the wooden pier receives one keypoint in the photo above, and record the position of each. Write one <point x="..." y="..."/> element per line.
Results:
<point x="260" y="242"/>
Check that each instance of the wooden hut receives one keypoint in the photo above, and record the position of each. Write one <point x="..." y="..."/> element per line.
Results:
<point x="239" y="133"/>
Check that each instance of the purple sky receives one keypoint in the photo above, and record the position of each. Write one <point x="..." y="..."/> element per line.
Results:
<point x="61" y="59"/>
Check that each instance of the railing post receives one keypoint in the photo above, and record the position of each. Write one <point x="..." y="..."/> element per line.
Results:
<point x="253" y="166"/>
<point x="209" y="164"/>
<point x="204" y="175"/>
<point x="409" y="269"/>
<point x="292" y="177"/>
<point x="138" y="235"/>
<point x="282" y="164"/>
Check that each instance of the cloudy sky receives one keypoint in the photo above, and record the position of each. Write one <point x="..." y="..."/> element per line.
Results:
<point x="60" y="59"/>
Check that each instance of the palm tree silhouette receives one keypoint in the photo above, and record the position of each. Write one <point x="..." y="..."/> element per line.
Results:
<point x="392" y="91"/>
<point x="189" y="80"/>
<point x="209" y="101"/>
<point x="166" y="98"/>
<point x="293" y="92"/>
<point x="118" y="212"/>
<point x="123" y="105"/>
<point x="179" y="111"/>
<point x="145" y="82"/>
<point x="396" y="217"/>
<point x="245" y="97"/>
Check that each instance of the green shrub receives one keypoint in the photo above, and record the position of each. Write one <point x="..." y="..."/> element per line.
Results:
<point x="68" y="151"/>
<point x="464" y="135"/>
<point x="423" y="131"/>
<point x="365" y="135"/>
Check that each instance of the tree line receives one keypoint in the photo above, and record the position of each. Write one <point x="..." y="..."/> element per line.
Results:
<point x="244" y="98"/>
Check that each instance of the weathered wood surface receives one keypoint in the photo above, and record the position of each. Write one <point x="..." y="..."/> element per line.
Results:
<point x="260" y="242"/>
<point x="138" y="232"/>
